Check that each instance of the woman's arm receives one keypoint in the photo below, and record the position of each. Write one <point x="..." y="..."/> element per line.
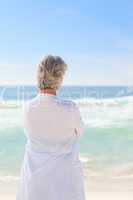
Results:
<point x="79" y="124"/>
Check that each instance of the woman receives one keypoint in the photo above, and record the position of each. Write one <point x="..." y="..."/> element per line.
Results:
<point x="51" y="168"/>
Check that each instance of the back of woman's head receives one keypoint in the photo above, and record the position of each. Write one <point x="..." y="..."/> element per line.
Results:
<point x="51" y="71"/>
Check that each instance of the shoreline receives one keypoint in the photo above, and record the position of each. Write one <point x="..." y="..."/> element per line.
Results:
<point x="104" y="188"/>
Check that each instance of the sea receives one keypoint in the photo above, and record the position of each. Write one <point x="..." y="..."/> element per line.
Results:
<point x="106" y="146"/>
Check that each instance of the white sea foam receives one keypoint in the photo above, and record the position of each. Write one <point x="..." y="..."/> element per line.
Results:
<point x="95" y="112"/>
<point x="8" y="179"/>
<point x="106" y="112"/>
<point x="117" y="101"/>
<point x="113" y="171"/>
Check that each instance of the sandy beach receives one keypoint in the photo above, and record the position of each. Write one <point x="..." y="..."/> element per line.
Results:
<point x="102" y="188"/>
<point x="90" y="195"/>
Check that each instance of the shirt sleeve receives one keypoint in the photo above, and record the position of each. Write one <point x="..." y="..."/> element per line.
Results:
<point x="79" y="126"/>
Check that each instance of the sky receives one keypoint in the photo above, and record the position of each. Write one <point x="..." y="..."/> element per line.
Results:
<point x="95" y="38"/>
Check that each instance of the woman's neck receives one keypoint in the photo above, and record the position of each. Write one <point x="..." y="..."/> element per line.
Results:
<point x="48" y="90"/>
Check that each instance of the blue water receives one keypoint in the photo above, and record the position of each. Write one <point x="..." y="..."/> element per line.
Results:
<point x="71" y="92"/>
<point x="106" y="111"/>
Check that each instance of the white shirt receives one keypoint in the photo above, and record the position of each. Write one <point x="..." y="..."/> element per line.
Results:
<point x="50" y="117"/>
<point x="51" y="168"/>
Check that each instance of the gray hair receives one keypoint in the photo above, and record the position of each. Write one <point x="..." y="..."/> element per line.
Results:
<point x="51" y="70"/>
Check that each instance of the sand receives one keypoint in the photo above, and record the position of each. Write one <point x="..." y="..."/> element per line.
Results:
<point x="91" y="196"/>
<point x="97" y="188"/>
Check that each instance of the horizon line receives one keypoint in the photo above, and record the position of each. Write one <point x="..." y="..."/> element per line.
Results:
<point x="73" y="85"/>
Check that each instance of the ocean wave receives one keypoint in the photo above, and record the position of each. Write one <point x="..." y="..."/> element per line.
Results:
<point x="8" y="179"/>
<point x="100" y="113"/>
<point x="113" y="171"/>
<point x="11" y="104"/>
<point x="106" y="112"/>
<point x="116" y="101"/>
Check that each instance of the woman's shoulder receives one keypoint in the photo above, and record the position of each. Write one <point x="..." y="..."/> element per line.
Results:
<point x="62" y="103"/>
<point x="29" y="103"/>
<point x="66" y="103"/>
